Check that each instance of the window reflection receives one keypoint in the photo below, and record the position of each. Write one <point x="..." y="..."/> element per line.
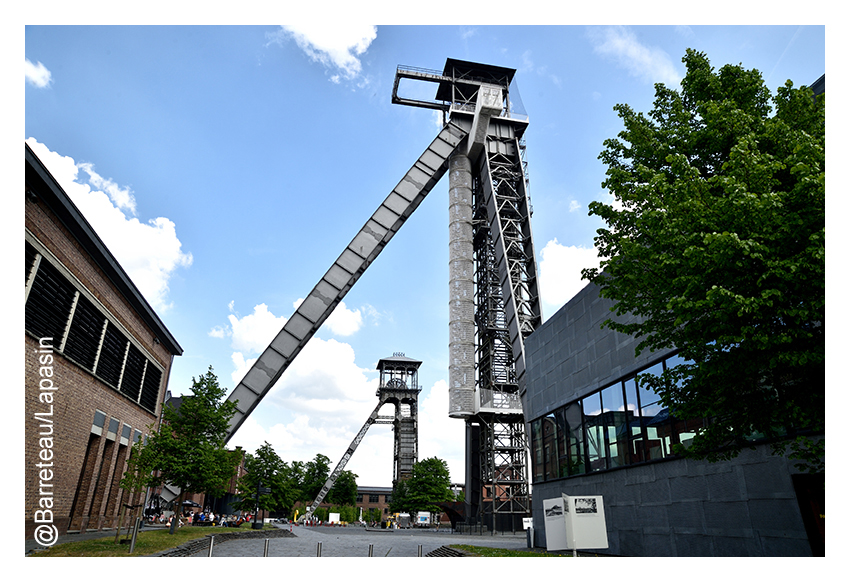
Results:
<point x="622" y="424"/>
<point x="562" y="440"/>
<point x="655" y="418"/>
<point x="684" y="430"/>
<point x="572" y="418"/>
<point x="594" y="430"/>
<point x="550" y="447"/>
<point x="615" y="418"/>
<point x="537" y="450"/>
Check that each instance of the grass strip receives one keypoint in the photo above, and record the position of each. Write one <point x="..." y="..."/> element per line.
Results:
<point x="147" y="542"/>
<point x="484" y="552"/>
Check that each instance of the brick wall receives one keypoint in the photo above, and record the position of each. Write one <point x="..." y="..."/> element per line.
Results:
<point x="85" y="467"/>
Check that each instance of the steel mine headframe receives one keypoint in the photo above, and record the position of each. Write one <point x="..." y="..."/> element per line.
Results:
<point x="494" y="301"/>
<point x="399" y="386"/>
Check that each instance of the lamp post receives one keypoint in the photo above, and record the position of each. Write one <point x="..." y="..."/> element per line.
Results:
<point x="264" y="491"/>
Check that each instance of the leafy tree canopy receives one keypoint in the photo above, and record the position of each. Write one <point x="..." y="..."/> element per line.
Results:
<point x="313" y="477"/>
<point x="716" y="242"/>
<point x="188" y="450"/>
<point x="267" y="470"/>
<point x="344" y="491"/>
<point x="428" y="485"/>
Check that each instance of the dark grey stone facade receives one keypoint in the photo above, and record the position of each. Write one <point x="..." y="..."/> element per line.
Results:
<point x="671" y="507"/>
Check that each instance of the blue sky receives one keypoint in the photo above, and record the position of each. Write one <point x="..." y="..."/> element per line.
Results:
<point x="228" y="166"/>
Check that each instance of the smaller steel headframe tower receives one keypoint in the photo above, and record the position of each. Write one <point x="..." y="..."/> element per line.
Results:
<point x="399" y="385"/>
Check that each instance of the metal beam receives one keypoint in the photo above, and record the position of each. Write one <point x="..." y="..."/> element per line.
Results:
<point x="344" y="273"/>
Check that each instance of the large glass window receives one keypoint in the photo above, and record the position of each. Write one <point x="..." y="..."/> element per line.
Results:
<point x="594" y="431"/>
<point x="49" y="304"/>
<point x="56" y="308"/>
<point x="537" y="450"/>
<point x="636" y="436"/>
<point x="684" y="430"/>
<point x="655" y="418"/>
<point x="550" y="447"/>
<point x="563" y="442"/>
<point x="85" y="333"/>
<point x="572" y="420"/>
<point x="622" y="424"/>
<point x="615" y="419"/>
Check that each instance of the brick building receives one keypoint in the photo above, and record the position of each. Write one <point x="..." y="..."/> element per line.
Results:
<point x="97" y="363"/>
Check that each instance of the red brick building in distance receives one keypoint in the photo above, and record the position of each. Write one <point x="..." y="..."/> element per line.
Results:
<point x="97" y="365"/>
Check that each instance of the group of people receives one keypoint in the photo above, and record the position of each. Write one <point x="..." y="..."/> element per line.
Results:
<point x="191" y="517"/>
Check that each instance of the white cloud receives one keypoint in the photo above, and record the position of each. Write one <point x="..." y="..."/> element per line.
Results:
<point x="122" y="197"/>
<point x="650" y="64"/>
<point x="439" y="435"/>
<point x="337" y="47"/>
<point x="318" y="406"/>
<point x="528" y="65"/>
<point x="254" y="332"/>
<point x="149" y="252"/>
<point x="217" y="332"/>
<point x="560" y="271"/>
<point x="343" y="321"/>
<point x="575" y="206"/>
<point x="437" y="117"/>
<point x="324" y="377"/>
<point x="324" y="398"/>
<point x="37" y="75"/>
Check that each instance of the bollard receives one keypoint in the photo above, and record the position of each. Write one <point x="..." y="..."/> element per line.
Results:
<point x="209" y="555"/>
<point x="319" y="550"/>
<point x="135" y="533"/>
<point x="371" y="547"/>
<point x="420" y="551"/>
<point x="266" y="549"/>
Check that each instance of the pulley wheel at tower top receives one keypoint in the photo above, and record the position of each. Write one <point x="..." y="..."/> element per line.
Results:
<point x="397" y="383"/>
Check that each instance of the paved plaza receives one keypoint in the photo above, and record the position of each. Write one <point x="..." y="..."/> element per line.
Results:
<point x="354" y="541"/>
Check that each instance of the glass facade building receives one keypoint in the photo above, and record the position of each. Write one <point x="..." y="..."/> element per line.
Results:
<point x="622" y="424"/>
<point x="597" y="429"/>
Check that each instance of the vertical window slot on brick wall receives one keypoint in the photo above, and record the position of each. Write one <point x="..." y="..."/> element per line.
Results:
<point x="112" y="353"/>
<point x="49" y="303"/>
<point x="131" y="382"/>
<point x="68" y="325"/>
<point x="85" y="333"/>
<point x="32" y="261"/>
<point x="150" y="388"/>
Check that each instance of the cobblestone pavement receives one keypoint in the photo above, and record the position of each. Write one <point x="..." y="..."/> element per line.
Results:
<point x="354" y="541"/>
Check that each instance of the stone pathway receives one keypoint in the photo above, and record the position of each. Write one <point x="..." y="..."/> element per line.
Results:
<point x="345" y="542"/>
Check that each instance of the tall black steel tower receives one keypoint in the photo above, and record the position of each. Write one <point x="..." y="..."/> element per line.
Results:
<point x="493" y="281"/>
<point x="494" y="302"/>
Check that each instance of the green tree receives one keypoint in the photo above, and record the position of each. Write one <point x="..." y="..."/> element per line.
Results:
<point x="716" y="243"/>
<point x="136" y="479"/>
<point x="188" y="450"/>
<point x="313" y="477"/>
<point x="266" y="469"/>
<point x="344" y="491"/>
<point x="429" y="484"/>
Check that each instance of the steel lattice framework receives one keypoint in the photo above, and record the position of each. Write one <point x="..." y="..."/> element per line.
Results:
<point x="494" y="302"/>
<point x="500" y="198"/>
